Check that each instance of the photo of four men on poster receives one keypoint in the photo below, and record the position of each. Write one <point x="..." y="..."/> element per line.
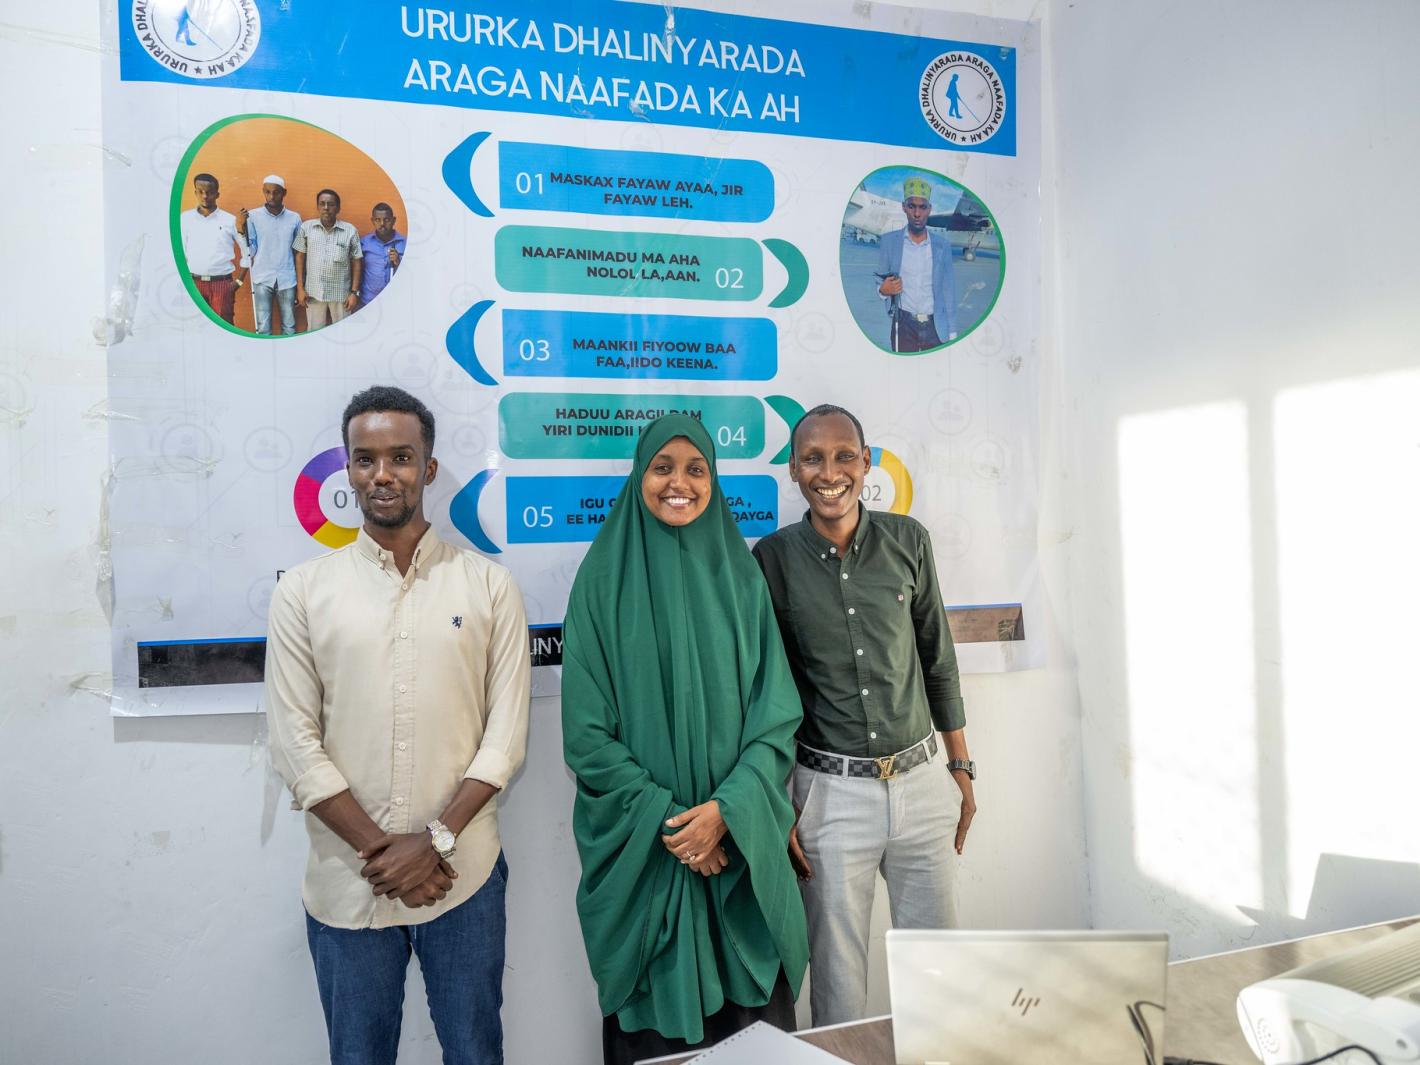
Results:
<point x="321" y="265"/>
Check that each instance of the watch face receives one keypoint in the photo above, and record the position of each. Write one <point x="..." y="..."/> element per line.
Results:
<point x="444" y="840"/>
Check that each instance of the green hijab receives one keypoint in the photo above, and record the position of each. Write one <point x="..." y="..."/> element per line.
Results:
<point x="675" y="691"/>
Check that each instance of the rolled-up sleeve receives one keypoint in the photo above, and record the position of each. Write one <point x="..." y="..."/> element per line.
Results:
<point x="935" y="650"/>
<point x="293" y="701"/>
<point x="507" y="688"/>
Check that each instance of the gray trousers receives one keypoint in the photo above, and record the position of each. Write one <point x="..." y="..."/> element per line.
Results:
<point x="852" y="828"/>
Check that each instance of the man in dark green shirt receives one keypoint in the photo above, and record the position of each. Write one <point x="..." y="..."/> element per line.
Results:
<point x="855" y="592"/>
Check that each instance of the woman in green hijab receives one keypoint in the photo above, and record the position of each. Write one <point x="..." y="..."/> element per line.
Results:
<point x="678" y="719"/>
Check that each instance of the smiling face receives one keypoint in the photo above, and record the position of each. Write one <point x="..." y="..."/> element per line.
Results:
<point x="676" y="485"/>
<point x="828" y="464"/>
<point x="388" y="468"/>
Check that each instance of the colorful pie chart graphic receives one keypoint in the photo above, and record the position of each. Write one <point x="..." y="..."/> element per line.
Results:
<point x="891" y="465"/>
<point x="306" y="497"/>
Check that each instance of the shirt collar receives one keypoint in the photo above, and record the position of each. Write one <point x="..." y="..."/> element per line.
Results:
<point x="859" y="534"/>
<point x="366" y="545"/>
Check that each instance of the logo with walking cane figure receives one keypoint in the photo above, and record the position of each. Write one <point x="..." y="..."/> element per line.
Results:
<point x="962" y="97"/>
<point x="201" y="39"/>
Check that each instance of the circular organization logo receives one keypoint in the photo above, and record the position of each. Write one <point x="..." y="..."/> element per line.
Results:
<point x="962" y="97"/>
<point x="198" y="38"/>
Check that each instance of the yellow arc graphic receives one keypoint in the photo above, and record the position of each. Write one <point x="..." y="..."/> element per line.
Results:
<point x="891" y="465"/>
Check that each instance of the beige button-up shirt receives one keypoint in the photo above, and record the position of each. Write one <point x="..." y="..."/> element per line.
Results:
<point x="396" y="686"/>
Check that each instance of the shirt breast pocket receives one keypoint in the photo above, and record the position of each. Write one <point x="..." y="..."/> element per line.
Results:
<point x="886" y="600"/>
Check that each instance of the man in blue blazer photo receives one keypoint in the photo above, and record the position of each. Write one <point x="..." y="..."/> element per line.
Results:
<point x="915" y="266"/>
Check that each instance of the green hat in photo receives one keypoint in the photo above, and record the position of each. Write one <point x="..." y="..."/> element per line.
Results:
<point x="916" y="186"/>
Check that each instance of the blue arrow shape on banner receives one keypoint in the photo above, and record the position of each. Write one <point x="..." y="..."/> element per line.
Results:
<point x="460" y="342"/>
<point x="463" y="512"/>
<point x="456" y="174"/>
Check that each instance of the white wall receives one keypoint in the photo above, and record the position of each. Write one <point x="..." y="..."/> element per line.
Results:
<point x="1237" y="295"/>
<point x="149" y="867"/>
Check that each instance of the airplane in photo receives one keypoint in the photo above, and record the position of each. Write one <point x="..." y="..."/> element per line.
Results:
<point x="966" y="223"/>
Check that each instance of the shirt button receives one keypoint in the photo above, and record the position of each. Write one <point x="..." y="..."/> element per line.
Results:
<point x="865" y="691"/>
<point x="833" y="550"/>
<point x="860" y="650"/>
<point x="401" y="746"/>
<point x="403" y="688"/>
<point x="845" y="576"/>
<point x="872" y="735"/>
<point x="852" y="611"/>
<point x="822" y="556"/>
<point x="399" y="800"/>
<point x="404" y="587"/>
<point x="404" y="635"/>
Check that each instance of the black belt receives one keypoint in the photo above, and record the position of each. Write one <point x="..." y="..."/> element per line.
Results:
<point x="212" y="277"/>
<point x="885" y="768"/>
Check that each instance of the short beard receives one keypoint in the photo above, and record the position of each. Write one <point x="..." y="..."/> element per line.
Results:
<point x="393" y="521"/>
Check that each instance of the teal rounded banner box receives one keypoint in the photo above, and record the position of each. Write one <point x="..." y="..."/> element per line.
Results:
<point x="595" y="262"/>
<point x="580" y="425"/>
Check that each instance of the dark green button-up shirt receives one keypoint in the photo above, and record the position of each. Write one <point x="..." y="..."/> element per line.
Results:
<point x="866" y="634"/>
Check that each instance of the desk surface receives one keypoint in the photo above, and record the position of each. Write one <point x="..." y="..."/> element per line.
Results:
<point x="1202" y="1002"/>
<point x="1203" y="992"/>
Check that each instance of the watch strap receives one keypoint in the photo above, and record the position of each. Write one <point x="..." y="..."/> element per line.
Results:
<point x="965" y="764"/>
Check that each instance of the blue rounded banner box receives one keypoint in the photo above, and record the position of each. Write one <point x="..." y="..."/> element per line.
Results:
<point x="604" y="181"/>
<point x="635" y="346"/>
<point x="564" y="510"/>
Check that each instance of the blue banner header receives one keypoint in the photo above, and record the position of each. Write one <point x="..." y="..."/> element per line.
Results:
<point x="594" y="59"/>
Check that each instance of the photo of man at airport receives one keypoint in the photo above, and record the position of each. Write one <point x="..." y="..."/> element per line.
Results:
<point x="920" y="257"/>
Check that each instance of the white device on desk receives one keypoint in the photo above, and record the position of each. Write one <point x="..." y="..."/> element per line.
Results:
<point x="1004" y="998"/>
<point x="1367" y="996"/>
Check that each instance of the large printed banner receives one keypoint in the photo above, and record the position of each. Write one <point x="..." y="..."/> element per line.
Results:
<point x="554" y="222"/>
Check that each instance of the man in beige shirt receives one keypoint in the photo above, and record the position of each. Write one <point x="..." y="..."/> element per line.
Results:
<point x="397" y="684"/>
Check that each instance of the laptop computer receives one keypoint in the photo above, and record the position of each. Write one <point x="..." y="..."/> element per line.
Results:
<point x="1043" y="998"/>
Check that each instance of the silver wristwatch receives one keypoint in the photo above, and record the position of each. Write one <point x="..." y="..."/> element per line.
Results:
<point x="442" y="837"/>
<point x="964" y="763"/>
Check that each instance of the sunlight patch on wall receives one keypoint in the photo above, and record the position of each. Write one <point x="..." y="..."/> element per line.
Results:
<point x="1348" y="509"/>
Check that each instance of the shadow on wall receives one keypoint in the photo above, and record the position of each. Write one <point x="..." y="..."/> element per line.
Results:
<point x="1347" y="891"/>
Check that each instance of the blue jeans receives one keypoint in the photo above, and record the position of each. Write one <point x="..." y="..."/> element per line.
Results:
<point x="261" y="296"/>
<point x="361" y="972"/>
